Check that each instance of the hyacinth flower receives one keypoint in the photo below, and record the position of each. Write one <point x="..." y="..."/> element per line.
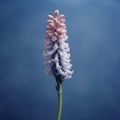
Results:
<point x="57" y="53"/>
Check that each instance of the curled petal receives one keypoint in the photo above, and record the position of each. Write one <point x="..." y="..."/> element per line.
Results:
<point x="61" y="16"/>
<point x="50" y="17"/>
<point x="55" y="46"/>
<point x="48" y="53"/>
<point x="56" y="34"/>
<point x="56" y="13"/>
<point x="62" y="20"/>
<point x="49" y="21"/>
<point x="54" y="38"/>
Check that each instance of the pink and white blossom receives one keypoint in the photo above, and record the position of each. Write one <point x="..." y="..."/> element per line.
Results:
<point x="56" y="50"/>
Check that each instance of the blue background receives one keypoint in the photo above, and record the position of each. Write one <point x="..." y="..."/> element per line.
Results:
<point x="27" y="93"/>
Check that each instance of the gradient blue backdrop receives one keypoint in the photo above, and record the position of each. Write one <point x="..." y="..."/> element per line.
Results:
<point x="26" y="93"/>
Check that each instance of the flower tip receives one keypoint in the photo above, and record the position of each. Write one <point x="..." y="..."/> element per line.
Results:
<point x="56" y="13"/>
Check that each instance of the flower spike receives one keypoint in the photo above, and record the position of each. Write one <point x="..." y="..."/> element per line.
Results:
<point x="56" y="50"/>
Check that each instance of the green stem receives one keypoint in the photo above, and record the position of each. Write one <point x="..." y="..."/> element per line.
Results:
<point x="59" y="91"/>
